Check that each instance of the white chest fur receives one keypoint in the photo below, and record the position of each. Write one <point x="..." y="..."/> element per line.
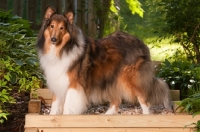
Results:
<point x="55" y="69"/>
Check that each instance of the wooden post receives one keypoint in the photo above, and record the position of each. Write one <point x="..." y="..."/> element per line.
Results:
<point x="91" y="27"/>
<point x="80" y="15"/>
<point x="3" y="4"/>
<point x="34" y="106"/>
<point x="18" y="6"/>
<point x="175" y="95"/>
<point x="58" y="6"/>
<point x="32" y="12"/>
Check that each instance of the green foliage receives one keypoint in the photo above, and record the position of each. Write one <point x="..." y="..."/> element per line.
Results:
<point x="196" y="126"/>
<point x="180" y="75"/>
<point x="24" y="25"/>
<point x="112" y="7"/>
<point x="135" y="7"/>
<point x="142" y="27"/>
<point x="3" y="116"/>
<point x="115" y="18"/>
<point x="191" y="106"/>
<point x="19" y="64"/>
<point x="182" y="22"/>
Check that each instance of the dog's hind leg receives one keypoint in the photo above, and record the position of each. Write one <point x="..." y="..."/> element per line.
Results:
<point x="57" y="106"/>
<point x="113" y="109"/>
<point x="75" y="101"/>
<point x="144" y="105"/>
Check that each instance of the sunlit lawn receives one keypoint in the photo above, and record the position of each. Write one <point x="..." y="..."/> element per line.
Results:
<point x="162" y="50"/>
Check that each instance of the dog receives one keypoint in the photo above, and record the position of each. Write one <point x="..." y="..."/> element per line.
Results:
<point x="80" y="70"/>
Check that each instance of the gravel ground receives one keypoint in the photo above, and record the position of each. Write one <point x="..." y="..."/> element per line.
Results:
<point x="127" y="109"/>
<point x="124" y="109"/>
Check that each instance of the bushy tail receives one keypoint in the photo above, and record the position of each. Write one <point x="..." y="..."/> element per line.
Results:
<point x="161" y="94"/>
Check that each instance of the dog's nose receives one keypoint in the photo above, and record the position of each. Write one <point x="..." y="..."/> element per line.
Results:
<point x="53" y="39"/>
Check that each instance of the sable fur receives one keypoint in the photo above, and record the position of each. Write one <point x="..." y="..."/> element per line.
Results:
<point x="115" y="68"/>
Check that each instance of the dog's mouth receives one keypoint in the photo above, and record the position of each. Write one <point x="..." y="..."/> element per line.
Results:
<point x="54" y="43"/>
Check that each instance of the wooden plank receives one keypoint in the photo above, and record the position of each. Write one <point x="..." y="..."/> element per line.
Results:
<point x="115" y="130"/>
<point x="118" y="121"/>
<point x="44" y="93"/>
<point x="48" y="101"/>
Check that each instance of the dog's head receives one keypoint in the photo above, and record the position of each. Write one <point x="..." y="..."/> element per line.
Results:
<point x="57" y="27"/>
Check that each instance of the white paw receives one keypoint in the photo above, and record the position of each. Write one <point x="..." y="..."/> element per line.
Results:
<point x="112" y="110"/>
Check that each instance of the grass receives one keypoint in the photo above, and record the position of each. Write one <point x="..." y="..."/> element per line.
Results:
<point x="162" y="50"/>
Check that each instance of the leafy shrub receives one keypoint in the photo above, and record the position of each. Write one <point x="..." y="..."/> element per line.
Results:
<point x="180" y="75"/>
<point x="19" y="64"/>
<point x="191" y="106"/>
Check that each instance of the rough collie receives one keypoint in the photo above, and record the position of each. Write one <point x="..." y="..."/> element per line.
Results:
<point x="80" y="71"/>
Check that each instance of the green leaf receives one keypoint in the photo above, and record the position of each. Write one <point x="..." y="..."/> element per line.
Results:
<point x="196" y="113"/>
<point x="16" y="17"/>
<point x="135" y="7"/>
<point x="1" y="121"/>
<point x="5" y="97"/>
<point x="13" y="78"/>
<point x="19" y="62"/>
<point x="7" y="77"/>
<point x="112" y="7"/>
<point x="31" y="61"/>
<point x="19" y="36"/>
<point x="4" y="91"/>
<point x="3" y="83"/>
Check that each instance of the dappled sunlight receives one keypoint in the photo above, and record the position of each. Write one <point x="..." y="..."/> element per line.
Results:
<point x="163" y="49"/>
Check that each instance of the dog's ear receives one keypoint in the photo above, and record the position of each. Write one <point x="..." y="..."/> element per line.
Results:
<point x="70" y="16"/>
<point x="49" y="12"/>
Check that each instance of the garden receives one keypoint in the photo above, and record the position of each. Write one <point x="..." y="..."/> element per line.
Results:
<point x="170" y="28"/>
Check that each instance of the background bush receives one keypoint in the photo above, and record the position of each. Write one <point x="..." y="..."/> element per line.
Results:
<point x="181" y="75"/>
<point x="19" y="64"/>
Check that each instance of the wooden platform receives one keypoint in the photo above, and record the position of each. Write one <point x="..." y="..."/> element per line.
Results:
<point x="109" y="123"/>
<point x="103" y="123"/>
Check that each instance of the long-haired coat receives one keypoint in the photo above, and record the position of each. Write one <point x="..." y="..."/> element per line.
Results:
<point x="80" y="71"/>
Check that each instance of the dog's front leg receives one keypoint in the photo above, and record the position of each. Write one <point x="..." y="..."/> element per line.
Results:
<point x="56" y="106"/>
<point x="75" y="101"/>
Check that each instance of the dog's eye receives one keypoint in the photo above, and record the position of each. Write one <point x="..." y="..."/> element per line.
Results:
<point x="61" y="28"/>
<point x="52" y="26"/>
